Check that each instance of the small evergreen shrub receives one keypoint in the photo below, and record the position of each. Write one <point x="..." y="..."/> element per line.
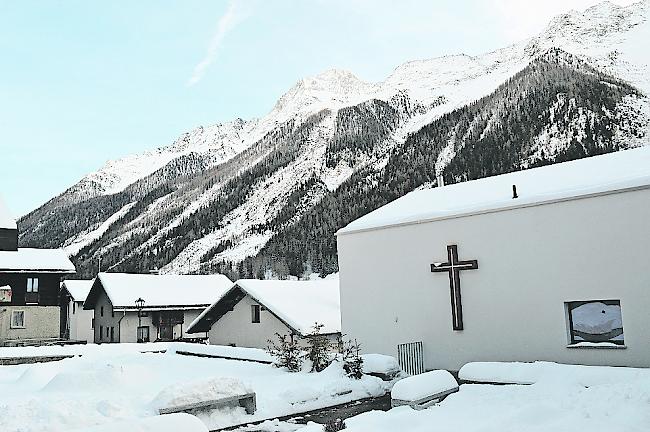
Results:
<point x="318" y="350"/>
<point x="286" y="352"/>
<point x="352" y="360"/>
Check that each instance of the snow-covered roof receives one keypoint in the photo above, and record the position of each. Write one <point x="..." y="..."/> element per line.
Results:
<point x="299" y="304"/>
<point x="623" y="170"/>
<point x="26" y="260"/>
<point x="7" y="220"/>
<point x="78" y="289"/>
<point x="158" y="291"/>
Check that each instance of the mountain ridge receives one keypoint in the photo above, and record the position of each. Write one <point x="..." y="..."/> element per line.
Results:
<point x="203" y="209"/>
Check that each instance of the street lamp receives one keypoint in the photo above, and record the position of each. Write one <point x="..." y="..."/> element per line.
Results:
<point x="139" y="304"/>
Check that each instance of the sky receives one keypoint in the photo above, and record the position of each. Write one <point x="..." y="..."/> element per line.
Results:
<point x="85" y="82"/>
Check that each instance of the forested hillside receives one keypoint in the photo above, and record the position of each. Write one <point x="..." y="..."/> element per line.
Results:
<point x="500" y="133"/>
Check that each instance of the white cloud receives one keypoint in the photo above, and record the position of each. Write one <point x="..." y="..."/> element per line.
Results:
<point x="525" y="18"/>
<point x="225" y="24"/>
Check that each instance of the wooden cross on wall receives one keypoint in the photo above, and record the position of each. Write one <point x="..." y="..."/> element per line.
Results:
<point x="453" y="267"/>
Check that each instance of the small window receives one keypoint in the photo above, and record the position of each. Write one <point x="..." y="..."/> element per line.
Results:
<point x="112" y="334"/>
<point x="74" y="307"/>
<point x="112" y="314"/>
<point x="92" y="323"/>
<point x="107" y="329"/>
<point x="255" y="313"/>
<point x="101" y="332"/>
<point x="32" y="285"/>
<point x="17" y="319"/>
<point x="143" y="334"/>
<point x="31" y="296"/>
<point x="101" y="311"/>
<point x="595" y="321"/>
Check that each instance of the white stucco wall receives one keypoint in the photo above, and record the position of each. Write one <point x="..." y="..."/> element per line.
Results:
<point x="80" y="322"/>
<point x="235" y="327"/>
<point x="41" y="322"/>
<point x="531" y="261"/>
<point x="129" y="325"/>
<point x="109" y="320"/>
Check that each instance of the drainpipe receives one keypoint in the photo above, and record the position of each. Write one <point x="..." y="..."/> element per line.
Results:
<point x="119" y="326"/>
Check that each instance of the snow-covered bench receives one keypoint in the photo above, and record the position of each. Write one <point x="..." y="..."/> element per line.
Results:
<point x="382" y="366"/>
<point x="247" y="401"/>
<point x="206" y="394"/>
<point x="424" y="390"/>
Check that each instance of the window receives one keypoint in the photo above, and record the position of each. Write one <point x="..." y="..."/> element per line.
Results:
<point x="101" y="311"/>
<point x="17" y="319"/>
<point x="31" y="296"/>
<point x="101" y="332"/>
<point x="92" y="323"/>
<point x="255" y="313"/>
<point x="112" y="334"/>
<point x="595" y="321"/>
<point x="112" y="313"/>
<point x="143" y="334"/>
<point x="107" y="329"/>
<point x="74" y="307"/>
<point x="32" y="285"/>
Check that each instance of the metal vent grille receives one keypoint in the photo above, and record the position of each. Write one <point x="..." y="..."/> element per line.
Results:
<point x="411" y="357"/>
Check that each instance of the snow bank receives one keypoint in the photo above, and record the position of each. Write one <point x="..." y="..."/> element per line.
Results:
<point x="418" y="387"/>
<point x="115" y="382"/>
<point x="531" y="373"/>
<point x="180" y="422"/>
<point x="180" y="394"/>
<point x="618" y="404"/>
<point x="380" y="364"/>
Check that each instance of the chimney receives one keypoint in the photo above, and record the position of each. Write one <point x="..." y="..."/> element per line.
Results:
<point x="514" y="192"/>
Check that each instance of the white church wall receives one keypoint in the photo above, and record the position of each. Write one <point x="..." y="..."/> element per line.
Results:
<point x="531" y="261"/>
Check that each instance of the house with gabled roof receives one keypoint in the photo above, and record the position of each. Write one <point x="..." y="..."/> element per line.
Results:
<point x="149" y="307"/>
<point x="76" y="323"/>
<point x="251" y="312"/>
<point x="29" y="288"/>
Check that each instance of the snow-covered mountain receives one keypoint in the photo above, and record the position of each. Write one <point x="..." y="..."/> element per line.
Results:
<point x="245" y="196"/>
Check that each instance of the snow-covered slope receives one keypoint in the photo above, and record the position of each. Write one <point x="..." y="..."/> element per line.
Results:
<point x="217" y="143"/>
<point x="218" y="194"/>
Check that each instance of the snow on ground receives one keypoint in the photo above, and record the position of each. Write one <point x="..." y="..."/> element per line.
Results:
<point x="95" y="350"/>
<point x="112" y="383"/>
<point x="200" y="390"/>
<point x="165" y="423"/>
<point x="618" y="399"/>
<point x="532" y="373"/>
